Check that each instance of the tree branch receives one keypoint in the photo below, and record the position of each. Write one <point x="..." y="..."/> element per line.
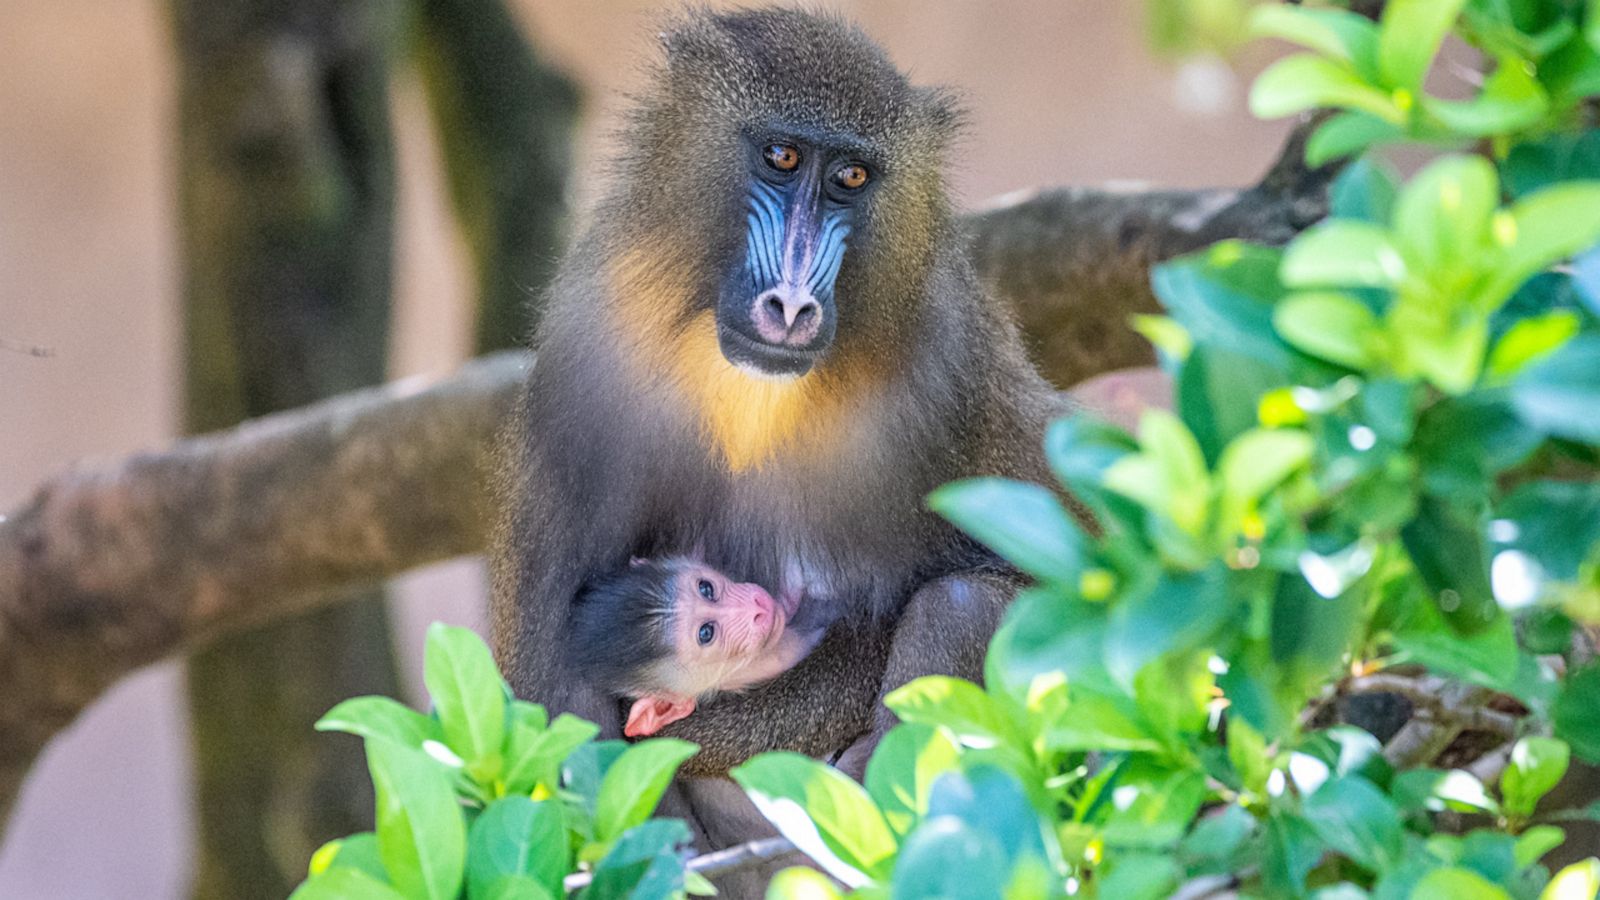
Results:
<point x="110" y="568"/>
<point x="114" y="567"/>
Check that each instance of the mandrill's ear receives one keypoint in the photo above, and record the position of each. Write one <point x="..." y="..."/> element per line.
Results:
<point x="649" y="715"/>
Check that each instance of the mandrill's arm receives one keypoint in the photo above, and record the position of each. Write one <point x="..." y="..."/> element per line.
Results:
<point x="831" y="701"/>
<point x="544" y="552"/>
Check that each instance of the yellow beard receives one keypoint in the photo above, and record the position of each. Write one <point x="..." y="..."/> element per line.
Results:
<point x="748" y="420"/>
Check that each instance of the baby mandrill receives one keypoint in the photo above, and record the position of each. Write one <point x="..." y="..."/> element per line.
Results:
<point x="673" y="631"/>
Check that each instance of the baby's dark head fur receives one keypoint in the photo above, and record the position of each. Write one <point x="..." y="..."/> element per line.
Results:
<point x="621" y="624"/>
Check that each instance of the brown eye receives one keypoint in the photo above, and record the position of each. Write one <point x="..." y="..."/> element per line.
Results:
<point x="707" y="633"/>
<point x="851" y="177"/>
<point x="782" y="157"/>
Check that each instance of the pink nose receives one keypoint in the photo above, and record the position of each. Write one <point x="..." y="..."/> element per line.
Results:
<point x="787" y="315"/>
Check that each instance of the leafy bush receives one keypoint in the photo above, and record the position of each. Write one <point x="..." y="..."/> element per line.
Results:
<point x="1379" y="478"/>
<point x="488" y="798"/>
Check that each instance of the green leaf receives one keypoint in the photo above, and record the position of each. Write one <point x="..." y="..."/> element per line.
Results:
<point x="1169" y="476"/>
<point x="1435" y="790"/>
<point x="1292" y="851"/>
<point x="517" y="836"/>
<point x="358" y="851"/>
<point x="421" y="835"/>
<point x="1579" y="880"/>
<point x="1544" y="228"/>
<point x="1557" y="523"/>
<point x="515" y="887"/>
<point x="644" y="864"/>
<point x="960" y="706"/>
<point x="1409" y="35"/>
<point x="468" y="694"/>
<point x="1343" y="253"/>
<point x="1357" y="820"/>
<point x="1217" y="393"/>
<point x="1537" y="763"/>
<point x="1178" y="612"/>
<point x="1140" y="876"/>
<point x="1258" y="461"/>
<point x="1347" y="134"/>
<point x="1442" y="216"/>
<point x="1331" y="326"/>
<point x="1533" y="844"/>
<point x="1560" y="394"/>
<point x="1534" y="165"/>
<point x="1164" y="333"/>
<point x="1456" y="884"/>
<point x="1224" y="296"/>
<point x="1303" y="82"/>
<point x="1156" y="811"/>
<point x="992" y="801"/>
<point x="1095" y="721"/>
<point x="1530" y="340"/>
<point x="947" y="858"/>
<point x="1447" y="545"/>
<point x="635" y="782"/>
<point x="828" y="817"/>
<point x="1488" y="657"/>
<point x="345" y="884"/>
<point x="1510" y="101"/>
<point x="1335" y="33"/>
<point x="381" y="717"/>
<point x="801" y="883"/>
<point x="1024" y="523"/>
<point x="543" y="752"/>
<point x="1215" y="843"/>
<point x="1364" y="191"/>
<point x="902" y="771"/>
<point x="1577" y="713"/>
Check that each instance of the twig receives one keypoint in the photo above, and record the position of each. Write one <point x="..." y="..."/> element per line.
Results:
<point x="1431" y="694"/>
<point x="1424" y="738"/>
<point x="711" y="865"/>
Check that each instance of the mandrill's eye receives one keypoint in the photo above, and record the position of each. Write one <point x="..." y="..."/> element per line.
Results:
<point x="851" y="177"/>
<point x="706" y="589"/>
<point x="782" y="157"/>
<point x="707" y="634"/>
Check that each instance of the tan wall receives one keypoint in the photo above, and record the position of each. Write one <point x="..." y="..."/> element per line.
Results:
<point x="1061" y="91"/>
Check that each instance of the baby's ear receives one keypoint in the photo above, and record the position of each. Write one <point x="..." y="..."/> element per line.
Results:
<point x="649" y="715"/>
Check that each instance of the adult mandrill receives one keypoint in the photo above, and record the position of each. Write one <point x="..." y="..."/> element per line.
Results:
<point x="769" y="347"/>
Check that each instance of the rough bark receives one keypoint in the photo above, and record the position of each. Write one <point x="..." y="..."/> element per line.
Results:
<point x="1075" y="262"/>
<point x="99" y="575"/>
<point x="287" y="178"/>
<point x="113" y="567"/>
<point x="505" y="123"/>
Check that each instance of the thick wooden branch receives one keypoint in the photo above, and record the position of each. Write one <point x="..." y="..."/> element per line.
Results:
<point x="1074" y="263"/>
<point x="112" y="567"/>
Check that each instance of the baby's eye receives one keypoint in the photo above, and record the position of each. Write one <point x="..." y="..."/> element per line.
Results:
<point x="707" y="590"/>
<point x="708" y="632"/>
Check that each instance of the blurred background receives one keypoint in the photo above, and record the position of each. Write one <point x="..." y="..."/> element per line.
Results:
<point x="147" y="291"/>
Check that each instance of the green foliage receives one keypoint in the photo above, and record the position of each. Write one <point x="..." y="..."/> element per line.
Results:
<point x="488" y="798"/>
<point x="1370" y="465"/>
<point x="1381" y="461"/>
<point x="1546" y="61"/>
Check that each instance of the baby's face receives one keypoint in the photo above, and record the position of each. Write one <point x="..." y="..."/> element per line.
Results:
<point x="722" y="625"/>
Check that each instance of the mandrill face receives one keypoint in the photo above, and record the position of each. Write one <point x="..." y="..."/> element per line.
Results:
<point x="775" y="313"/>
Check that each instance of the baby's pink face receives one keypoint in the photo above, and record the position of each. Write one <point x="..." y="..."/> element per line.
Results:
<point x="722" y="624"/>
